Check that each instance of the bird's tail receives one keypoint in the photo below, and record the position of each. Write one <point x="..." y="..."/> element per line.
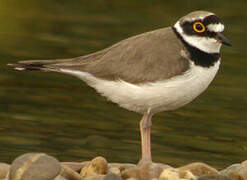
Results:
<point x="38" y="65"/>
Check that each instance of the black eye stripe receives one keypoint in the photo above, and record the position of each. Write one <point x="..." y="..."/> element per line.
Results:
<point x="212" y="19"/>
<point x="188" y="29"/>
<point x="188" y="26"/>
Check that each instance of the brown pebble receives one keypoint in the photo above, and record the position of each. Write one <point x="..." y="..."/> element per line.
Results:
<point x="175" y="174"/>
<point x="236" y="171"/>
<point x="94" y="177"/>
<point x="69" y="173"/>
<point x="131" y="173"/>
<point x="121" y="166"/>
<point x="59" y="177"/>
<point x="187" y="175"/>
<point x="169" y="174"/>
<point x="112" y="176"/>
<point x="159" y="168"/>
<point x="213" y="177"/>
<point x="114" y="170"/>
<point x="198" y="169"/>
<point x="76" y="166"/>
<point x="97" y="166"/>
<point x="145" y="170"/>
<point x="4" y="169"/>
<point x="38" y="166"/>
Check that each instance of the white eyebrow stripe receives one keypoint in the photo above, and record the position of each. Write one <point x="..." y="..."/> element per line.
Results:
<point x="216" y="27"/>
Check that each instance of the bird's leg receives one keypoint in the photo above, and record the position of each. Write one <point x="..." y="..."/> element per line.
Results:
<point x="145" y="130"/>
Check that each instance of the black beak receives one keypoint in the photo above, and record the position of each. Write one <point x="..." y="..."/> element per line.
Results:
<point x="223" y="39"/>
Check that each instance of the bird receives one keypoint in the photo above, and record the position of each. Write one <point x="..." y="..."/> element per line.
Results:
<point x="156" y="71"/>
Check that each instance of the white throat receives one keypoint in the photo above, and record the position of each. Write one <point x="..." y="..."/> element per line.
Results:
<point x="206" y="44"/>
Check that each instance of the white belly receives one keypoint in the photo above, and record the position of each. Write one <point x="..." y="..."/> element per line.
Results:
<point x="157" y="96"/>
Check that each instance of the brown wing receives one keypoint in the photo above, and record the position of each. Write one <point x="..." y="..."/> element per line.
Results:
<point x="151" y="56"/>
<point x="148" y="57"/>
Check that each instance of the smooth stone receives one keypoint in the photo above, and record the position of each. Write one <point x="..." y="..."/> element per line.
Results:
<point x="38" y="166"/>
<point x="98" y="165"/>
<point x="159" y="168"/>
<point x="94" y="177"/>
<point x="112" y="176"/>
<point x="214" y="177"/>
<point x="59" y="177"/>
<point x="169" y="174"/>
<point x="131" y="173"/>
<point x="114" y="170"/>
<point x="4" y="169"/>
<point x="236" y="171"/>
<point x="150" y="170"/>
<point x="69" y="173"/>
<point x="176" y="174"/>
<point x="187" y="175"/>
<point x="232" y="168"/>
<point x="198" y="169"/>
<point x="76" y="166"/>
<point x="145" y="170"/>
<point x="121" y="166"/>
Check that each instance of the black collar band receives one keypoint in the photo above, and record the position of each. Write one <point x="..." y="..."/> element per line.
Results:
<point x="198" y="56"/>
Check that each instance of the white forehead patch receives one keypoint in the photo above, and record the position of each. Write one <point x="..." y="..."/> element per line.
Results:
<point x="195" y="18"/>
<point x="216" y="27"/>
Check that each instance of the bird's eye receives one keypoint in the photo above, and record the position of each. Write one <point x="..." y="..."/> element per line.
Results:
<point x="199" y="27"/>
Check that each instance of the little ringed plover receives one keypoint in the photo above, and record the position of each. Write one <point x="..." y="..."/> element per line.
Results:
<point x="156" y="71"/>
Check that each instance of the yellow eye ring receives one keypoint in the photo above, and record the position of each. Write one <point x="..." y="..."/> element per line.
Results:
<point x="199" y="27"/>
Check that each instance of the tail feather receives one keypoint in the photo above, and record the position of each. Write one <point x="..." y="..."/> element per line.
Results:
<point x="59" y="64"/>
<point x="35" y="65"/>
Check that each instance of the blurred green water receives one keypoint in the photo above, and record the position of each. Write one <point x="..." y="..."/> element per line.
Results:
<point x="60" y="115"/>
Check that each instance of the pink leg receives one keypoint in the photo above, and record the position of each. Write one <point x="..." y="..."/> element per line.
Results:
<point x="145" y="130"/>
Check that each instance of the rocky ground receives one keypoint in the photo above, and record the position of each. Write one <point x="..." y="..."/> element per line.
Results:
<point x="40" y="166"/>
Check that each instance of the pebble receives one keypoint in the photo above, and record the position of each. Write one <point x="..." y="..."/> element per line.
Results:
<point x="187" y="175"/>
<point x="59" y="177"/>
<point x="169" y="174"/>
<point x="4" y="169"/>
<point x="38" y="166"/>
<point x="236" y="171"/>
<point x="97" y="166"/>
<point x="76" y="166"/>
<point x="94" y="177"/>
<point x="114" y="170"/>
<point x="112" y="176"/>
<point x="121" y="166"/>
<point x="176" y="174"/>
<point x="131" y="173"/>
<point x="69" y="173"/>
<point x="198" y="169"/>
<point x="214" y="177"/>
<point x="145" y="170"/>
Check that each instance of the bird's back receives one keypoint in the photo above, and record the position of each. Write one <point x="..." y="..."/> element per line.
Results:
<point x="142" y="58"/>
